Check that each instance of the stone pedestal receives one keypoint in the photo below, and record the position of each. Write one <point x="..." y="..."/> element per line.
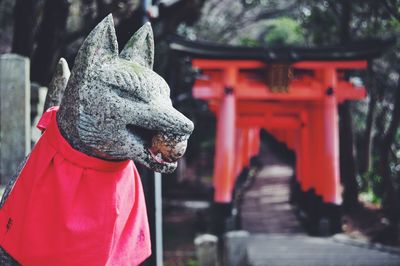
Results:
<point x="235" y="248"/>
<point x="207" y="250"/>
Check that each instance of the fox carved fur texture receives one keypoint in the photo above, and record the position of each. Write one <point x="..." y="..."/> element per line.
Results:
<point x="113" y="107"/>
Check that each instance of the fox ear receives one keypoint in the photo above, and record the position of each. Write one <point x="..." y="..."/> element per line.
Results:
<point x="57" y="85"/>
<point x="140" y="48"/>
<point x="99" y="47"/>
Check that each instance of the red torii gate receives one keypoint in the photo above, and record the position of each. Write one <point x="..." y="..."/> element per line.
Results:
<point x="292" y="93"/>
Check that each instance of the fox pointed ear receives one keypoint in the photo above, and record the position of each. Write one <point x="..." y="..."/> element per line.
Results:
<point x="99" y="47"/>
<point x="140" y="48"/>
<point x="57" y="85"/>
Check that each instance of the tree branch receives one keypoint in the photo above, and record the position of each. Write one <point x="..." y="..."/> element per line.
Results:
<point x="392" y="10"/>
<point x="275" y="13"/>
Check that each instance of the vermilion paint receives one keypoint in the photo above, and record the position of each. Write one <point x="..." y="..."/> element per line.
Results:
<point x="304" y="118"/>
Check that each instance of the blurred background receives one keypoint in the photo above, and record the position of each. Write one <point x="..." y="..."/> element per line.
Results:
<point x="45" y="30"/>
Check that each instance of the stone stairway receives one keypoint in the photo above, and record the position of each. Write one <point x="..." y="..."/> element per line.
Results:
<point x="265" y="205"/>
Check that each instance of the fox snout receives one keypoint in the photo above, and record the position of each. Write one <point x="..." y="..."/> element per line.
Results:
<point x="170" y="146"/>
<point x="167" y="148"/>
<point x="186" y="127"/>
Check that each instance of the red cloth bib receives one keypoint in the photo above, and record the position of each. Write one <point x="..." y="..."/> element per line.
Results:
<point x="68" y="208"/>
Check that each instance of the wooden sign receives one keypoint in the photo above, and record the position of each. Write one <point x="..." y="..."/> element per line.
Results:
<point x="278" y="77"/>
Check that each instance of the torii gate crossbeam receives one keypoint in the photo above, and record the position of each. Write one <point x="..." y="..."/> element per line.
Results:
<point x="293" y="93"/>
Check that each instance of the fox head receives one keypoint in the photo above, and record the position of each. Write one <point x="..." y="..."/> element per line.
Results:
<point x="115" y="107"/>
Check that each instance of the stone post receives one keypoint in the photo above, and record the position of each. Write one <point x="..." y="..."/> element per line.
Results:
<point x="15" y="140"/>
<point x="235" y="248"/>
<point x="41" y="92"/>
<point x="207" y="250"/>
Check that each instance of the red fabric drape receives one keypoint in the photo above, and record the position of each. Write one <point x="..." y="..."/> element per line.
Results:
<point x="68" y="208"/>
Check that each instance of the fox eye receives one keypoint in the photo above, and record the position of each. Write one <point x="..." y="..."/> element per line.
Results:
<point x="129" y="92"/>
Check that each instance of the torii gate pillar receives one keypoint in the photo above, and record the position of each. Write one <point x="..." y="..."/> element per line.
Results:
<point x="292" y="93"/>
<point x="224" y="160"/>
<point x="330" y="136"/>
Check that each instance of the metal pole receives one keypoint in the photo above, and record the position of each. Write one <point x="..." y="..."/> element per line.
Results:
<point x="158" y="203"/>
<point x="144" y="4"/>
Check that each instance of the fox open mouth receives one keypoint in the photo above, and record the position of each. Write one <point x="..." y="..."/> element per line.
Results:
<point x="143" y="133"/>
<point x="158" y="157"/>
<point x="163" y="148"/>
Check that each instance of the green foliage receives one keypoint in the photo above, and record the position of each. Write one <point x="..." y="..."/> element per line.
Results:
<point x="277" y="32"/>
<point x="250" y="42"/>
<point x="359" y="110"/>
<point x="371" y="186"/>
<point x="283" y="31"/>
<point x="396" y="146"/>
<point x="370" y="196"/>
<point x="192" y="262"/>
<point x="320" y="23"/>
<point x="394" y="24"/>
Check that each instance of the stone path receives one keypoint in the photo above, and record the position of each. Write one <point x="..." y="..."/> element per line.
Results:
<point x="302" y="250"/>
<point x="265" y="206"/>
<point x="277" y="238"/>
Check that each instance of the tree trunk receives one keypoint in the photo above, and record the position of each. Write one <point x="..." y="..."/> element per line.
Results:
<point x="347" y="160"/>
<point x="24" y="24"/>
<point x="344" y="30"/>
<point x="50" y="37"/>
<point x="390" y="205"/>
<point x="366" y="151"/>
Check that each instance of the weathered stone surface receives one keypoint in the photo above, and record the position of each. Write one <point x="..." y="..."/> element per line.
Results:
<point x="207" y="250"/>
<point x="112" y="107"/>
<point x="235" y="248"/>
<point x="57" y="85"/>
<point x="15" y="139"/>
<point x="114" y="104"/>
<point x="14" y="113"/>
<point x="6" y="260"/>
<point x="133" y="50"/>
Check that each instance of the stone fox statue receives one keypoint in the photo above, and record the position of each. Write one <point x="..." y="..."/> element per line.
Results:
<point x="77" y="199"/>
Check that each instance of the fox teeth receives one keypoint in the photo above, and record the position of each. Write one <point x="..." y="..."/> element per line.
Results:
<point x="159" y="156"/>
